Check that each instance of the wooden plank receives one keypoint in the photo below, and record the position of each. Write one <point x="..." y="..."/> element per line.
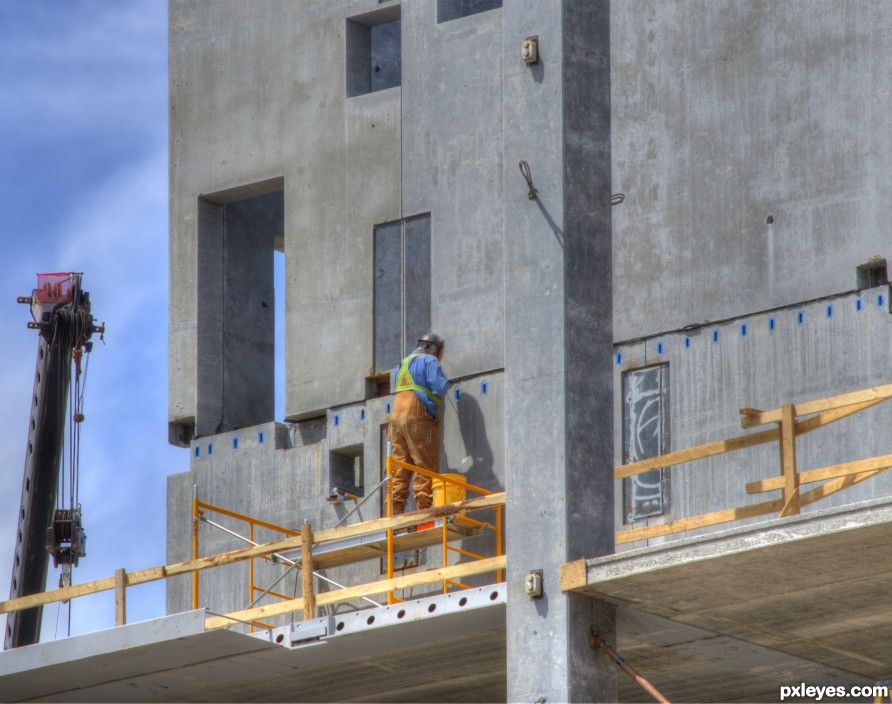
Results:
<point x="695" y="453"/>
<point x="827" y="417"/>
<point x="155" y="573"/>
<point x="306" y="570"/>
<point x="120" y="597"/>
<point x="835" y="485"/>
<point x="788" y="461"/>
<point x="737" y="443"/>
<point x="64" y="594"/>
<point x="753" y="418"/>
<point x="385" y="585"/>
<point x="409" y="519"/>
<point x="840" y="470"/>
<point x="701" y="521"/>
<point x="573" y="575"/>
<point x="823" y="473"/>
<point x="789" y="504"/>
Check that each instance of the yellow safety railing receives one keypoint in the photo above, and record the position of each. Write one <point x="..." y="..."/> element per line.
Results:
<point x="199" y="508"/>
<point x="792" y="420"/>
<point x="495" y="527"/>
<point x="305" y="542"/>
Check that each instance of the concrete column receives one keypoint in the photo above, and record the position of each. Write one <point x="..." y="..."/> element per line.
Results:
<point x="558" y="318"/>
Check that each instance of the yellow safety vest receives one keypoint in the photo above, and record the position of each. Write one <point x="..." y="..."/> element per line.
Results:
<point x="405" y="382"/>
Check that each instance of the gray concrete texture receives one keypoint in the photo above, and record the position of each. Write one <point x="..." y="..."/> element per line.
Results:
<point x="259" y="105"/>
<point x="281" y="474"/>
<point x="764" y="360"/>
<point x="752" y="146"/>
<point x="347" y="166"/>
<point x="726" y="114"/>
<point x="810" y="587"/>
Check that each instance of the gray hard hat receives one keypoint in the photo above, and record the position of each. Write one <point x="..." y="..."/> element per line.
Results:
<point x="430" y="339"/>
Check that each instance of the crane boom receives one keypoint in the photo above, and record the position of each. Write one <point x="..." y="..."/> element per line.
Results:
<point x="61" y="312"/>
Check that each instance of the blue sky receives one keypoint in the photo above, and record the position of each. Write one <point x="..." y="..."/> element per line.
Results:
<point x="83" y="177"/>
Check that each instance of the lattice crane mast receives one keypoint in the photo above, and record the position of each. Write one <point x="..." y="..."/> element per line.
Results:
<point x="49" y="521"/>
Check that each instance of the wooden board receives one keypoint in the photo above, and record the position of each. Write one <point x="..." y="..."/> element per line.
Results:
<point x="463" y="569"/>
<point x="752" y="418"/>
<point x="293" y="543"/>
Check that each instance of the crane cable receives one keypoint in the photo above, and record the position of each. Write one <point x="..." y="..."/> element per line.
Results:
<point x="70" y="329"/>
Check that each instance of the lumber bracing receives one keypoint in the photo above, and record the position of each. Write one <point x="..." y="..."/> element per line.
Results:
<point x="791" y="421"/>
<point x="332" y="548"/>
<point x="321" y="540"/>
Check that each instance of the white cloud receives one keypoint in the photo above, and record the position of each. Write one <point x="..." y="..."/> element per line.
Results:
<point x="88" y="67"/>
<point x="75" y="66"/>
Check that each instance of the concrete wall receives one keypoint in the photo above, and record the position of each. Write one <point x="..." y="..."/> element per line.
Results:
<point x="260" y="106"/>
<point x="751" y="142"/>
<point x="265" y="97"/>
<point x="281" y="474"/>
<point x="753" y="148"/>
<point x="731" y="113"/>
<point x="764" y="360"/>
<point x="274" y="79"/>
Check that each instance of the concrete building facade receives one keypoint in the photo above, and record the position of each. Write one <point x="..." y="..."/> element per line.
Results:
<point x="377" y="145"/>
<point x="665" y="227"/>
<point x="678" y="211"/>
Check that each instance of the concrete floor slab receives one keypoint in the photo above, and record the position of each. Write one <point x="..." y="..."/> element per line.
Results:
<point x="813" y="586"/>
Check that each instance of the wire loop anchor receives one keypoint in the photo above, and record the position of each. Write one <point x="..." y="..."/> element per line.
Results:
<point x="528" y="177"/>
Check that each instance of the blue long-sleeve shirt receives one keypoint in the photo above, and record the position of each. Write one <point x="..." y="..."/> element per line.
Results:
<point x="427" y="372"/>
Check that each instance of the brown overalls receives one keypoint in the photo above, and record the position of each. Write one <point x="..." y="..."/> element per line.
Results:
<point x="415" y="439"/>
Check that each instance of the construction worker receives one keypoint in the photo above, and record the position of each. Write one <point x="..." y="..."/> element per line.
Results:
<point x="414" y="430"/>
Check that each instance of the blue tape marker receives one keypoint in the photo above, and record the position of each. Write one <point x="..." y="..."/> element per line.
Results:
<point x="210" y="449"/>
<point x="457" y="394"/>
<point x="880" y="301"/>
<point x="715" y="335"/>
<point x="337" y="420"/>
<point x="744" y="330"/>
<point x="260" y="438"/>
<point x="800" y="318"/>
<point x="235" y="443"/>
<point x="483" y="388"/>
<point x="361" y="415"/>
<point x="687" y="342"/>
<point x="619" y="358"/>
<point x="659" y="348"/>
<point x="858" y="305"/>
<point x="388" y="409"/>
<point x="829" y="311"/>
<point x="771" y="324"/>
<point x="198" y="451"/>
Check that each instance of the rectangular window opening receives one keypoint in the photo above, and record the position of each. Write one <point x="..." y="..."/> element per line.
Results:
<point x="239" y="231"/>
<point x="374" y="51"/>
<point x="401" y="290"/>
<point x="345" y="470"/>
<point x="645" y="434"/>
<point x="448" y="10"/>
<point x="873" y="273"/>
